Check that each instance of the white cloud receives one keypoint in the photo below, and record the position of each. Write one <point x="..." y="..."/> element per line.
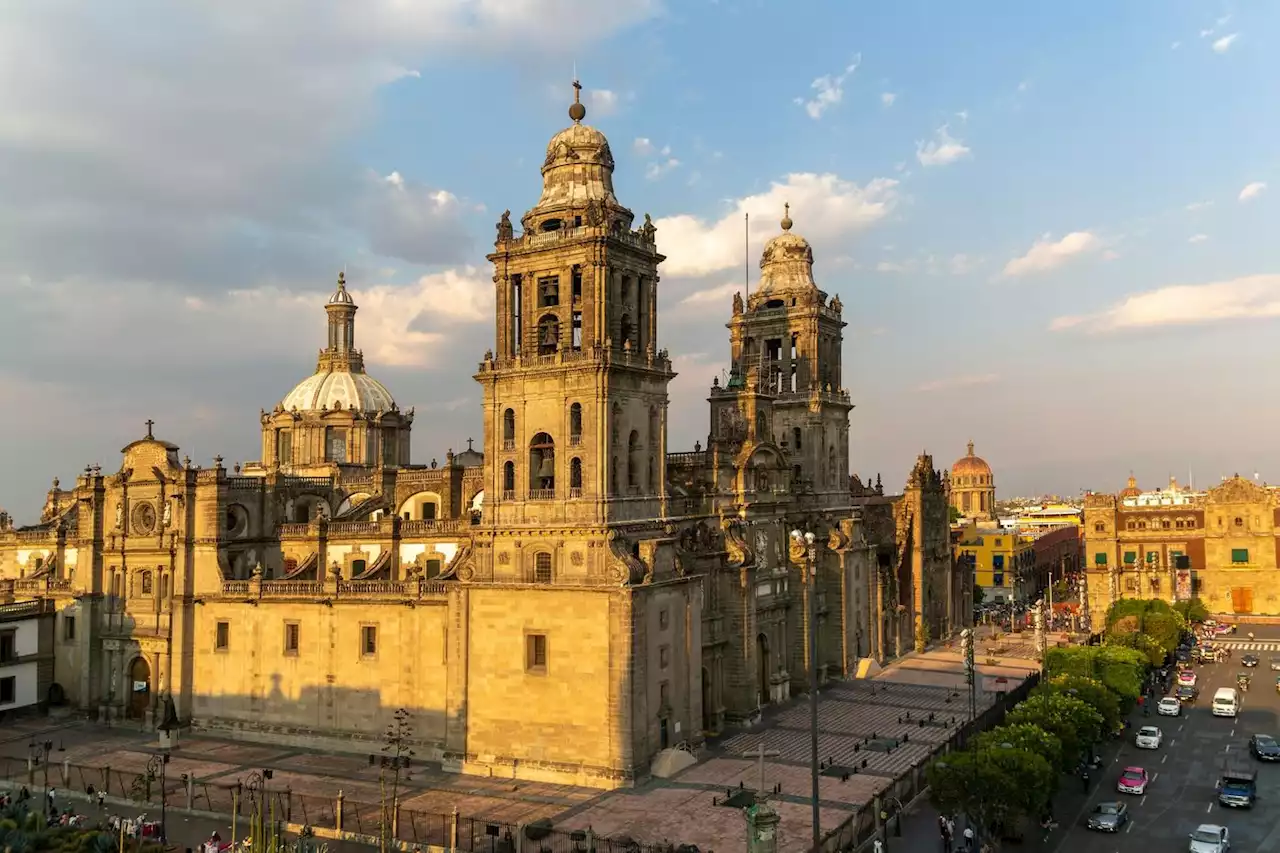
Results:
<point x="962" y="264"/>
<point x="656" y="170"/>
<point x="1024" y="85"/>
<point x="1223" y="44"/>
<point x="942" y="149"/>
<point x="1047" y="254"/>
<point x="963" y="115"/>
<point x="829" y="89"/>
<point x="719" y="295"/>
<point x="643" y="146"/>
<point x="826" y="209"/>
<point x="603" y="102"/>
<point x="887" y="98"/>
<point x="1252" y="191"/>
<point x="1199" y="205"/>
<point x="1204" y="34"/>
<point x="953" y="382"/>
<point x="1175" y="45"/>
<point x="1110" y="255"/>
<point x="1247" y="298"/>
<point x="1197" y="238"/>
<point x="908" y="265"/>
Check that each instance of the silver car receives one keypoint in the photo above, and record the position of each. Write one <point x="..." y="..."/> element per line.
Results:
<point x="1108" y="817"/>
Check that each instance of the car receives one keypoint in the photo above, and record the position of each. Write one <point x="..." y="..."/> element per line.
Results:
<point x="1275" y="664"/>
<point x="1169" y="706"/>
<point x="1210" y="838"/>
<point x="1186" y="693"/>
<point x="1250" y="660"/>
<point x="1264" y="748"/>
<point x="1148" y="737"/>
<point x="1133" y="781"/>
<point x="1186" y="676"/>
<point x="1108" y="817"/>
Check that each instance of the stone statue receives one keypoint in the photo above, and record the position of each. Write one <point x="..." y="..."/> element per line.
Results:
<point x="505" y="230"/>
<point x="119" y="515"/>
<point x="168" y="514"/>
<point x="595" y="213"/>
<point x="648" y="229"/>
<point x="737" y="303"/>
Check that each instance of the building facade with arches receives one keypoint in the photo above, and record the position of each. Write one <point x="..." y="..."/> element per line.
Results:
<point x="563" y="602"/>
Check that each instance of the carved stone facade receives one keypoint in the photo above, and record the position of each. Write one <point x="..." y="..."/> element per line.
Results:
<point x="1220" y="545"/>
<point x="561" y="606"/>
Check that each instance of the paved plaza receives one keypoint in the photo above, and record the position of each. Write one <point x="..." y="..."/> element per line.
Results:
<point x="871" y="730"/>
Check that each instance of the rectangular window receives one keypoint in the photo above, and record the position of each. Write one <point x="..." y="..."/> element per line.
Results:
<point x="664" y="657"/>
<point x="368" y="641"/>
<point x="535" y="653"/>
<point x="664" y="695"/>
<point x="1239" y="555"/>
<point x="8" y="690"/>
<point x="997" y="579"/>
<point x="335" y="444"/>
<point x="548" y="292"/>
<point x="999" y="542"/>
<point x="1099" y="559"/>
<point x="222" y="636"/>
<point x="68" y="628"/>
<point x="577" y="283"/>
<point x="997" y="562"/>
<point x="291" y="635"/>
<point x="664" y="619"/>
<point x="433" y="569"/>
<point x="284" y="447"/>
<point x="577" y="330"/>
<point x="390" y="453"/>
<point x="8" y="646"/>
<point x="1130" y="557"/>
<point x="542" y="568"/>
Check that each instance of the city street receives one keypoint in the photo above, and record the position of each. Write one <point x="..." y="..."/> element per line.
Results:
<point x="1185" y="769"/>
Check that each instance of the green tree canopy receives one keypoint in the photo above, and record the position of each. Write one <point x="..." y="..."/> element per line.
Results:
<point x="996" y="786"/>
<point x="1092" y="691"/>
<point x="1071" y="720"/>
<point x="1130" y="620"/>
<point x="1023" y="736"/>
<point x="1192" y="610"/>
<point x="1120" y="669"/>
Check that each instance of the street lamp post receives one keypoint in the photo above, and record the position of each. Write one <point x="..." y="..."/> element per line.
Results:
<point x="806" y="543"/>
<point x="39" y="753"/>
<point x="158" y="765"/>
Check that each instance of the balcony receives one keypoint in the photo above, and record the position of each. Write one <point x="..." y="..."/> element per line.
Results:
<point x="542" y="494"/>
<point x="508" y="444"/>
<point x="508" y="494"/>
<point x="380" y="590"/>
<point x="574" y="494"/>
<point x="575" y="441"/>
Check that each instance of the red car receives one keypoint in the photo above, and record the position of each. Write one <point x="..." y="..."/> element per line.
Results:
<point x="1133" y="781"/>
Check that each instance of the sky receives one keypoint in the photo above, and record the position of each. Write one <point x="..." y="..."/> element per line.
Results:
<point x="1048" y="223"/>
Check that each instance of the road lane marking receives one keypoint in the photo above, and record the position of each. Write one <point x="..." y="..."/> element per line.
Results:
<point x="1209" y="809"/>
<point x="1128" y="827"/>
<point x="1233" y="732"/>
<point x="1143" y="801"/>
<point x="1227" y="748"/>
<point x="1180" y="726"/>
<point x="1165" y="758"/>
<point x="1157" y="774"/>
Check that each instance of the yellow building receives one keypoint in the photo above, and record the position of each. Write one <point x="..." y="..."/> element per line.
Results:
<point x="564" y="605"/>
<point x="1002" y="562"/>
<point x="1049" y="517"/>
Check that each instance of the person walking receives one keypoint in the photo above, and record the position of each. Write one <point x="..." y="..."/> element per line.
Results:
<point x="968" y="839"/>
<point x="878" y="846"/>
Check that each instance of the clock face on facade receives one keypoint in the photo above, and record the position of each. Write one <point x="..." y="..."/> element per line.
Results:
<point x="144" y="518"/>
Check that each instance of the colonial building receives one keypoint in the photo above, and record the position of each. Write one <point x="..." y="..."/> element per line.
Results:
<point x="1219" y="545"/>
<point x="973" y="487"/>
<point x="26" y="652"/>
<point x="562" y="605"/>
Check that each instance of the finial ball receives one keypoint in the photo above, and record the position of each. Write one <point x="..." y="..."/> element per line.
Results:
<point x="786" y="217"/>
<point x="577" y="112"/>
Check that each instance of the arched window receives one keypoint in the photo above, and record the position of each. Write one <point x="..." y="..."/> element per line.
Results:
<point x="1099" y="527"/>
<point x="542" y="465"/>
<point x="575" y="424"/>
<point x="796" y="436"/>
<point x="548" y="335"/>
<point x="146" y="583"/>
<point x="508" y="429"/>
<point x="509" y="479"/>
<point x="761" y="427"/>
<point x="542" y="567"/>
<point x="633" y="460"/>
<point x="575" y="477"/>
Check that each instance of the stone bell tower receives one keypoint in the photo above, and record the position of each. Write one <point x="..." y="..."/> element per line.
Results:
<point x="787" y="340"/>
<point x="575" y="394"/>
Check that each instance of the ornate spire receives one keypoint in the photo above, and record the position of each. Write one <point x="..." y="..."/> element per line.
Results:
<point x="970" y="447"/>
<point x="786" y="217"/>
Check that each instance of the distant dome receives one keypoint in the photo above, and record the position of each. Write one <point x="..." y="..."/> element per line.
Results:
<point x="970" y="465"/>
<point x="339" y="389"/>
<point x="1131" y="490"/>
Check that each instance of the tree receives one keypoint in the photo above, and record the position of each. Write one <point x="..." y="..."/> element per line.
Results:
<point x="1023" y="736"/>
<point x="954" y="515"/>
<point x="1120" y="669"/>
<point x="1192" y="610"/>
<point x="1071" y="720"/>
<point x="1150" y="626"/>
<point x="978" y="595"/>
<point x="1093" y="692"/>
<point x="996" y="786"/>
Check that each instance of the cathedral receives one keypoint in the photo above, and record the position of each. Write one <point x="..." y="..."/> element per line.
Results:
<point x="562" y="603"/>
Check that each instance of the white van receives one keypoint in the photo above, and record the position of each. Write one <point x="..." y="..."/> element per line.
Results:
<point x="1226" y="702"/>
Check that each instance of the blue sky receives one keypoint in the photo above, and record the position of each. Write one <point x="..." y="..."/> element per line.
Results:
<point x="1006" y="203"/>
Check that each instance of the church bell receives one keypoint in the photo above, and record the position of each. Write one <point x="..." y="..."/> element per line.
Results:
<point x="547" y="468"/>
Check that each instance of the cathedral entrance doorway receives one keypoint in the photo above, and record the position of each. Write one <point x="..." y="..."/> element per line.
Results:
<point x="762" y="661"/>
<point x="139" y="688"/>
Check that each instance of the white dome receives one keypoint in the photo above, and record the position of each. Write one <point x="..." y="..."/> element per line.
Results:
<point x="339" y="389"/>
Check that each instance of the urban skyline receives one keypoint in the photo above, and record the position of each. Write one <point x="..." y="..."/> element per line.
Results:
<point x="1006" y="217"/>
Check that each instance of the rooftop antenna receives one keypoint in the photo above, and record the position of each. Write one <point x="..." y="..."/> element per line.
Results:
<point x="746" y="254"/>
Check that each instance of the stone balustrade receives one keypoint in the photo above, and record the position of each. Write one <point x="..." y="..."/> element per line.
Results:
<point x="331" y="590"/>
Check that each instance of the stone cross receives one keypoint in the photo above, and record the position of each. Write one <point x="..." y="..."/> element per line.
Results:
<point x="150" y="424"/>
<point x="760" y="754"/>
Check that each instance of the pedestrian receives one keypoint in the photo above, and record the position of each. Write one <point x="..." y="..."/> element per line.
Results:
<point x="951" y="833"/>
<point x="102" y="800"/>
<point x="878" y="846"/>
<point x="968" y="838"/>
<point x="1084" y="779"/>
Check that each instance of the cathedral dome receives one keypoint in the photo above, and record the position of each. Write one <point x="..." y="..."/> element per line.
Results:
<point x="339" y="389"/>
<point x="1131" y="490"/>
<point x="971" y="465"/>
<point x="786" y="265"/>
<point x="578" y="167"/>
